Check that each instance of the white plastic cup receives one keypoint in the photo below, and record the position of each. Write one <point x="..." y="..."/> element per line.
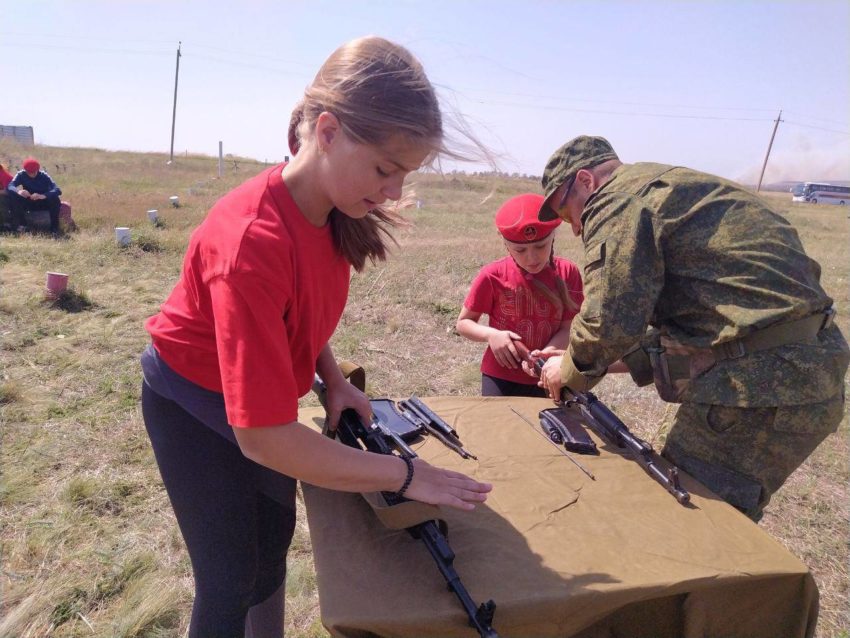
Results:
<point x="57" y="283"/>
<point x="175" y="201"/>
<point x="153" y="215"/>
<point x="122" y="235"/>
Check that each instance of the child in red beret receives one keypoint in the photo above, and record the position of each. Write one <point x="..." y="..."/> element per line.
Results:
<point x="530" y="295"/>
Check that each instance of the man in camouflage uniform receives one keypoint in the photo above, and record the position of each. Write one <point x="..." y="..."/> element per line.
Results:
<point x="741" y="331"/>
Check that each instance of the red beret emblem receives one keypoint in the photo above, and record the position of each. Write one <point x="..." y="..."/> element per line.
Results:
<point x="529" y="232"/>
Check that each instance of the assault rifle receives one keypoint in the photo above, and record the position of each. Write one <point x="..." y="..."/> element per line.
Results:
<point x="609" y="426"/>
<point x="380" y="438"/>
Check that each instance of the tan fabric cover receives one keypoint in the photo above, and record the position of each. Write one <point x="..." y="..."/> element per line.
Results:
<point x="560" y="554"/>
<point x="403" y="515"/>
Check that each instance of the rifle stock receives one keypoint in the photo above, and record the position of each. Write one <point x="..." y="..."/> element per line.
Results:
<point x="376" y="438"/>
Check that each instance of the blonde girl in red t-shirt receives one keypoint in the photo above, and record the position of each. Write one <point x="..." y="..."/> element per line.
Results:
<point x="531" y="295"/>
<point x="237" y="342"/>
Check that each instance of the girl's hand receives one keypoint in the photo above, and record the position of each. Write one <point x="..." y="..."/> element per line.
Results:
<point x="343" y="395"/>
<point x="501" y="342"/>
<point x="437" y="486"/>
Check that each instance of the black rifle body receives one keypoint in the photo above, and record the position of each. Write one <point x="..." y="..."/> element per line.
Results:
<point x="609" y="426"/>
<point x="352" y="432"/>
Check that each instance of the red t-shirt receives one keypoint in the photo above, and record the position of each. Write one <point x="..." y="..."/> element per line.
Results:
<point x="5" y="178"/>
<point x="509" y="296"/>
<point x="260" y="294"/>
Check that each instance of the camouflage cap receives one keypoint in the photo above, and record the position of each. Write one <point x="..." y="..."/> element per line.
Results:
<point x="581" y="152"/>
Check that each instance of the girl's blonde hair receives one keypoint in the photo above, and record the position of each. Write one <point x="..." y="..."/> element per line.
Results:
<point x="376" y="89"/>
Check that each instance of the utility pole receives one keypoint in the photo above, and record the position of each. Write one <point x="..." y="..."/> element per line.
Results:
<point x="174" y="111"/>
<point x="769" y="146"/>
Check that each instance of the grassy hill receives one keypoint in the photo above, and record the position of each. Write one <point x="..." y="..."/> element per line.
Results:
<point x="89" y="543"/>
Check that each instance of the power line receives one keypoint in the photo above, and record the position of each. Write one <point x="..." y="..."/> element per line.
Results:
<point x="82" y="49"/>
<point x="820" y="128"/>
<point x="255" y="67"/>
<point x="535" y="105"/>
<point x="77" y="38"/>
<point x="629" y="113"/>
<point x="820" y="119"/>
<point x="246" y="53"/>
<point x="618" y="102"/>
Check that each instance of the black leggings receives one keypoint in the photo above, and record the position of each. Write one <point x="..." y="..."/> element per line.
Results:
<point x="19" y="206"/>
<point x="236" y="516"/>
<point x="495" y="387"/>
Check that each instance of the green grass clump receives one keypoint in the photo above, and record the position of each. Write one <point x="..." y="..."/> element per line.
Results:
<point x="71" y="300"/>
<point x="70" y="604"/>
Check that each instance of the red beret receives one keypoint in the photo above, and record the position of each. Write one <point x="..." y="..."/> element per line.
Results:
<point x="31" y="164"/>
<point x="517" y="219"/>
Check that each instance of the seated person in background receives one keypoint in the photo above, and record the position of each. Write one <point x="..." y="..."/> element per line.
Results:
<point x="5" y="177"/>
<point x="30" y="190"/>
<point x="530" y="295"/>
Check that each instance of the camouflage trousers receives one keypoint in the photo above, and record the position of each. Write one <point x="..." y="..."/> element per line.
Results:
<point x="745" y="454"/>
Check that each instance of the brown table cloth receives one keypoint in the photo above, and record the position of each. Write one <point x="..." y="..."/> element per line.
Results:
<point x="560" y="554"/>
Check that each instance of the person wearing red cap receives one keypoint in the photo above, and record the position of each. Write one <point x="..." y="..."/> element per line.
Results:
<point x="530" y="295"/>
<point x="30" y="190"/>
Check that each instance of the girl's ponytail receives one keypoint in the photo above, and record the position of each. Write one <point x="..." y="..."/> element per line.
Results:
<point x="295" y="120"/>
<point x="359" y="239"/>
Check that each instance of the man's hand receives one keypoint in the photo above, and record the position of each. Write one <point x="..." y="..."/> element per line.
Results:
<point x="23" y="192"/>
<point x="501" y="342"/>
<point x="550" y="377"/>
<point x="37" y="197"/>
<point x="534" y="355"/>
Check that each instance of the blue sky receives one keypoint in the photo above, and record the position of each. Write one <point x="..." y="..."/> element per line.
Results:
<point x="691" y="83"/>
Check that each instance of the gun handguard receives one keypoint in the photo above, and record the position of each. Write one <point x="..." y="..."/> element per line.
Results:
<point x="376" y="438"/>
<point x="609" y="426"/>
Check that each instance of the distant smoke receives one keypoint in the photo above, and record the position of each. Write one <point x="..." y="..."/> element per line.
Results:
<point x="803" y="163"/>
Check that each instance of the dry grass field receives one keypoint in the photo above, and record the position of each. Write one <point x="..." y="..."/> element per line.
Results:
<point x="89" y="543"/>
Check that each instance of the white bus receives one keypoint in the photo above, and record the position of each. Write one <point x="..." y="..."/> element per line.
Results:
<point x="817" y="193"/>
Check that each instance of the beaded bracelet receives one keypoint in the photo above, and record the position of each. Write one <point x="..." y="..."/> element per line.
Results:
<point x="409" y="478"/>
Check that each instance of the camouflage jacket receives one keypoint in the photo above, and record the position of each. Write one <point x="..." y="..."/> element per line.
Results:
<point x="704" y="261"/>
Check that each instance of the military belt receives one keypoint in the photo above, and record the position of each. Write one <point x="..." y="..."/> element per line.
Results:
<point x="781" y="334"/>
